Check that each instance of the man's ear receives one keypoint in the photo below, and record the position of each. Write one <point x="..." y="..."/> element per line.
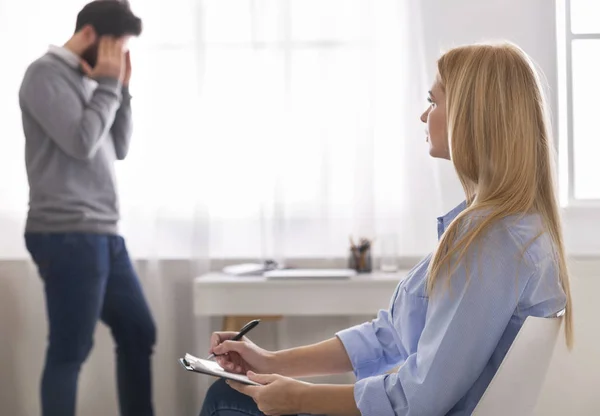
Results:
<point x="88" y="33"/>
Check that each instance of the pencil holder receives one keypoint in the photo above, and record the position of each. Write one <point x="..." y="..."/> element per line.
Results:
<point x="360" y="261"/>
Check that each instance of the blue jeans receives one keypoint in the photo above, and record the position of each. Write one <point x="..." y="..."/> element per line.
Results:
<point x="89" y="277"/>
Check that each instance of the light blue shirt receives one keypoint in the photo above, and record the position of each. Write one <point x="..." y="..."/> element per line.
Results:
<point x="451" y="345"/>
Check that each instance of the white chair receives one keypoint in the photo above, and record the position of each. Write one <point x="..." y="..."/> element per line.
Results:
<point x="515" y="388"/>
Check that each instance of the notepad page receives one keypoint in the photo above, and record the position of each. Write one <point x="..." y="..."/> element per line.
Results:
<point x="213" y="368"/>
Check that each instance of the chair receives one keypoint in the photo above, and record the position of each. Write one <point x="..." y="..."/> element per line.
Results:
<point x="515" y="388"/>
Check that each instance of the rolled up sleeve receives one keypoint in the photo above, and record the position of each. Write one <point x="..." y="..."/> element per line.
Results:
<point x="372" y="346"/>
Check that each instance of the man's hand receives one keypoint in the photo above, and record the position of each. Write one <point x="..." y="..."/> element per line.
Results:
<point x="277" y="396"/>
<point x="127" y="75"/>
<point x="111" y="60"/>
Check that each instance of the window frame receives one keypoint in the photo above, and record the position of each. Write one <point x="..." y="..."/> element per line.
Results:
<point x="565" y="39"/>
<point x="581" y="217"/>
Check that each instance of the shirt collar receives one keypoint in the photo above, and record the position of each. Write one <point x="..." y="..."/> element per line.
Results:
<point x="69" y="57"/>
<point x="445" y="220"/>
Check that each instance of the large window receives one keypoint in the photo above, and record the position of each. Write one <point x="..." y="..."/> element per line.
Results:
<point x="261" y="127"/>
<point x="250" y="113"/>
<point x="236" y="87"/>
<point x="580" y="108"/>
<point x="283" y="125"/>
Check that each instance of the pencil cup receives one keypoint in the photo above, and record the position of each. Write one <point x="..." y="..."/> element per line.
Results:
<point x="360" y="261"/>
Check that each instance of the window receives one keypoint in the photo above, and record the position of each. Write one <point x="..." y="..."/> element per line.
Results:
<point x="279" y="122"/>
<point x="262" y="128"/>
<point x="580" y="133"/>
<point x="578" y="36"/>
<point x="242" y="84"/>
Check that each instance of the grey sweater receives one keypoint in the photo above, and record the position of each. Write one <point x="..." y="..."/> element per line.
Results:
<point x="75" y="129"/>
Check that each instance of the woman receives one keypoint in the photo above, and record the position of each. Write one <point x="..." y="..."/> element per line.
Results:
<point x="500" y="258"/>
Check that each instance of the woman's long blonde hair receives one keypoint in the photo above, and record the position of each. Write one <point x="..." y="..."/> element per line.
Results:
<point x="502" y="150"/>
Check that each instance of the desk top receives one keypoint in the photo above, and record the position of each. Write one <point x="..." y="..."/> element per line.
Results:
<point x="217" y="278"/>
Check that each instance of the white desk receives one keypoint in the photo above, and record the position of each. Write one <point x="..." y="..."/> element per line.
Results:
<point x="217" y="294"/>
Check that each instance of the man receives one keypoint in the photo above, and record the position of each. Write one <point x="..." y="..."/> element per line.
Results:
<point x="76" y="114"/>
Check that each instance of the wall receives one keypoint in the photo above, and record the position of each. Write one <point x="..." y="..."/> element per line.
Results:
<point x="23" y="329"/>
<point x="530" y="24"/>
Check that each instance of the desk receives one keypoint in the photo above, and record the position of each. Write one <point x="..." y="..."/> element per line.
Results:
<point x="217" y="294"/>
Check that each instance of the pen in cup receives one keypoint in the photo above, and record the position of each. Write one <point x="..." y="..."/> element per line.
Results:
<point x="247" y="328"/>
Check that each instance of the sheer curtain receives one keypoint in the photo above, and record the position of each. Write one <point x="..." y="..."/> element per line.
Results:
<point x="263" y="128"/>
<point x="274" y="129"/>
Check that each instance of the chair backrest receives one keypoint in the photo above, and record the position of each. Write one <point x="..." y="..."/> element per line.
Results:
<point x="515" y="388"/>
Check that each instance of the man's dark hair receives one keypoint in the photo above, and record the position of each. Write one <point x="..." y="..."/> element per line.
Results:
<point x="109" y="17"/>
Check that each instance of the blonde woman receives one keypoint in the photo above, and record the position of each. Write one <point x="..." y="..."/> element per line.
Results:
<point x="500" y="258"/>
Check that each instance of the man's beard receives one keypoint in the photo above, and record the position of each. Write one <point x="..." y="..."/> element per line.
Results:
<point x="90" y="55"/>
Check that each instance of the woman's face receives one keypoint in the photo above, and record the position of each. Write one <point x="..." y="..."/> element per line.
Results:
<point x="435" y="118"/>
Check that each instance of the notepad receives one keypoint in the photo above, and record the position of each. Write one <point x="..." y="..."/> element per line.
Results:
<point x="211" y="368"/>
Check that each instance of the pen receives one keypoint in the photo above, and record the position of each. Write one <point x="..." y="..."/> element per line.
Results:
<point x="247" y="328"/>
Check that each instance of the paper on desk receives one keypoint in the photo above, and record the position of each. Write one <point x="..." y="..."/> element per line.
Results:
<point x="212" y="368"/>
<point x="245" y="269"/>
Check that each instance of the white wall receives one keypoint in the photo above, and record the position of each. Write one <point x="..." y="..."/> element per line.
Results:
<point x="528" y="23"/>
<point x="23" y="330"/>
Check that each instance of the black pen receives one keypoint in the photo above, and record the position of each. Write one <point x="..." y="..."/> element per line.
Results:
<point x="247" y="328"/>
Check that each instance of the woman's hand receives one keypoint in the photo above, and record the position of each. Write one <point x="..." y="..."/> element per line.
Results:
<point x="241" y="356"/>
<point x="277" y="396"/>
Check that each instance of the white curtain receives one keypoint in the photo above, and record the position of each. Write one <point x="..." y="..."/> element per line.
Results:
<point x="263" y="128"/>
